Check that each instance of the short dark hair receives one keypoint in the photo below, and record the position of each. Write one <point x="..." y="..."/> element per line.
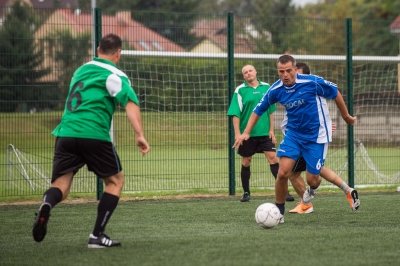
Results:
<point x="283" y="59"/>
<point x="304" y="67"/>
<point x="110" y="43"/>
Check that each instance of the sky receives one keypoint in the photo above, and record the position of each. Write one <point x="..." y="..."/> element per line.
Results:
<point x="303" y="2"/>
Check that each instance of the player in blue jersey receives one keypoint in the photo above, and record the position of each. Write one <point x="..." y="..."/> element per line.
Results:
<point x="262" y="138"/>
<point x="297" y="181"/>
<point x="309" y="126"/>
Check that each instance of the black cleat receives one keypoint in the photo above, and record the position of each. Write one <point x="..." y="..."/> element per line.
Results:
<point x="102" y="241"/>
<point x="245" y="197"/>
<point x="289" y="197"/>
<point x="39" y="229"/>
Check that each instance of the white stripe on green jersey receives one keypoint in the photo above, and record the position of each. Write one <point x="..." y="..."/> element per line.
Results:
<point x="244" y="101"/>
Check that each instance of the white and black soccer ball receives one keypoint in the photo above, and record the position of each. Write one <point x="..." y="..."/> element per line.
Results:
<point x="267" y="215"/>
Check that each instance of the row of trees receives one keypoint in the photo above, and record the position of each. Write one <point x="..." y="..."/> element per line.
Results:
<point x="314" y="29"/>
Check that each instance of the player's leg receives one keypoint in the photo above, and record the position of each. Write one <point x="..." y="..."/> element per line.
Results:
<point x="288" y="153"/>
<point x="314" y="154"/>
<point x="351" y="194"/>
<point x="245" y="174"/>
<point x="298" y="183"/>
<point x="108" y="167"/>
<point x="246" y="151"/>
<point x="281" y="183"/>
<point x="55" y="194"/>
<point x="300" y="187"/>
<point x="65" y="164"/>
<point x="268" y="148"/>
<point x="313" y="181"/>
<point x="107" y="204"/>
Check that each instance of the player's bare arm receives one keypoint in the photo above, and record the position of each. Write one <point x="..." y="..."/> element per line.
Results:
<point x="134" y="117"/>
<point x="236" y="126"/>
<point x="272" y="128"/>
<point x="349" y="119"/>
<point x="246" y="133"/>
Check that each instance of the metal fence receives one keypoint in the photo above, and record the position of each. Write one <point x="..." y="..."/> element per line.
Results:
<point x="182" y="82"/>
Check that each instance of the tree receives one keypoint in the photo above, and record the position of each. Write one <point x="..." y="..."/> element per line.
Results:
<point x="171" y="18"/>
<point x="20" y="59"/>
<point x="70" y="52"/>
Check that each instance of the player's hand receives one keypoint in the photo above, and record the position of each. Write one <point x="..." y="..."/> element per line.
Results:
<point x="272" y="137"/>
<point x="143" y="145"/>
<point x="333" y="127"/>
<point x="239" y="140"/>
<point x="350" y="120"/>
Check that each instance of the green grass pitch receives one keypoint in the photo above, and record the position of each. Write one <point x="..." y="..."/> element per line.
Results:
<point x="210" y="231"/>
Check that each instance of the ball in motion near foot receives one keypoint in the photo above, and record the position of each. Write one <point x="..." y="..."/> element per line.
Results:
<point x="267" y="215"/>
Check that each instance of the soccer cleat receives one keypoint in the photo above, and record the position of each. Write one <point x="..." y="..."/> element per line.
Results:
<point x="302" y="208"/>
<point x="39" y="229"/>
<point x="102" y="241"/>
<point x="308" y="195"/>
<point x="352" y="198"/>
<point x="289" y="197"/>
<point x="282" y="219"/>
<point x="245" y="197"/>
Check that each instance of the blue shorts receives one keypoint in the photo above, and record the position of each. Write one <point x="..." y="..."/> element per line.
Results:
<point x="313" y="153"/>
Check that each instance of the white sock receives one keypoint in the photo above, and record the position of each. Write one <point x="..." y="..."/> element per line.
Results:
<point x="345" y="187"/>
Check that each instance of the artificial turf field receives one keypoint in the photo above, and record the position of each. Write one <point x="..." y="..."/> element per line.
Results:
<point x="210" y="231"/>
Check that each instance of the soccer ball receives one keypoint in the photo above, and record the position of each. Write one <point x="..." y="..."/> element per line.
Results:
<point x="267" y="215"/>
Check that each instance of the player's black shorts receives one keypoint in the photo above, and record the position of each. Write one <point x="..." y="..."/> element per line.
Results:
<point x="300" y="165"/>
<point x="70" y="154"/>
<point x="256" y="145"/>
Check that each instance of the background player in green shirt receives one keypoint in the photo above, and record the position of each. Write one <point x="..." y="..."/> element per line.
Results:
<point x="262" y="138"/>
<point x="83" y="137"/>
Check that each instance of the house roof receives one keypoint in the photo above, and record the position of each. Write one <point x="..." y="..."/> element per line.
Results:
<point x="216" y="31"/>
<point x="134" y="33"/>
<point x="395" y="26"/>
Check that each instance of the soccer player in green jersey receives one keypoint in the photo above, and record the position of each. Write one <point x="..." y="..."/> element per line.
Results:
<point x="262" y="138"/>
<point x="83" y="137"/>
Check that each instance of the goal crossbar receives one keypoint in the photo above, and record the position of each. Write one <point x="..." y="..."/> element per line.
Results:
<point x="259" y="56"/>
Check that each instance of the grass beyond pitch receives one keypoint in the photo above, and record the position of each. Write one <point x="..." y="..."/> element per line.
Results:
<point x="215" y="231"/>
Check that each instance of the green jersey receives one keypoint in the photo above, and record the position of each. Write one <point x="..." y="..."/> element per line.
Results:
<point x="96" y="89"/>
<point x="243" y="102"/>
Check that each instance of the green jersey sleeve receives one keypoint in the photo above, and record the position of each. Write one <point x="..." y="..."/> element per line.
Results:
<point x="234" y="109"/>
<point x="120" y="88"/>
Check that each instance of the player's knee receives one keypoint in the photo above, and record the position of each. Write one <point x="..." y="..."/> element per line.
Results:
<point x="314" y="182"/>
<point x="117" y="180"/>
<point x="246" y="161"/>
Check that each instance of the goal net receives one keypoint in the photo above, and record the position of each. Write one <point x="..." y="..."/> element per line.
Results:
<point x="187" y="97"/>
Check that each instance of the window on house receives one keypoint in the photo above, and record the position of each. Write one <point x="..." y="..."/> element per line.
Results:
<point x="145" y="46"/>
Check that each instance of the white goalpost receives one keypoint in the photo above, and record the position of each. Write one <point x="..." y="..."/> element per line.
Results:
<point x="20" y="164"/>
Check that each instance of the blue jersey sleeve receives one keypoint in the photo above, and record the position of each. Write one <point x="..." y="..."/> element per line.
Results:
<point x="326" y="89"/>
<point x="263" y="105"/>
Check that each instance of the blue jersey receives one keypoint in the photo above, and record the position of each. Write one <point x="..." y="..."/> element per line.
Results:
<point x="307" y="111"/>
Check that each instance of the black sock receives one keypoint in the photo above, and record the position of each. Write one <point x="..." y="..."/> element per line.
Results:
<point x="274" y="169"/>
<point x="107" y="205"/>
<point x="52" y="196"/>
<point x="281" y="207"/>
<point x="245" y="176"/>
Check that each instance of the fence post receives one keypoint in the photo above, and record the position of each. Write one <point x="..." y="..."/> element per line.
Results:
<point x="97" y="36"/>
<point x="231" y="77"/>
<point x="349" y="75"/>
